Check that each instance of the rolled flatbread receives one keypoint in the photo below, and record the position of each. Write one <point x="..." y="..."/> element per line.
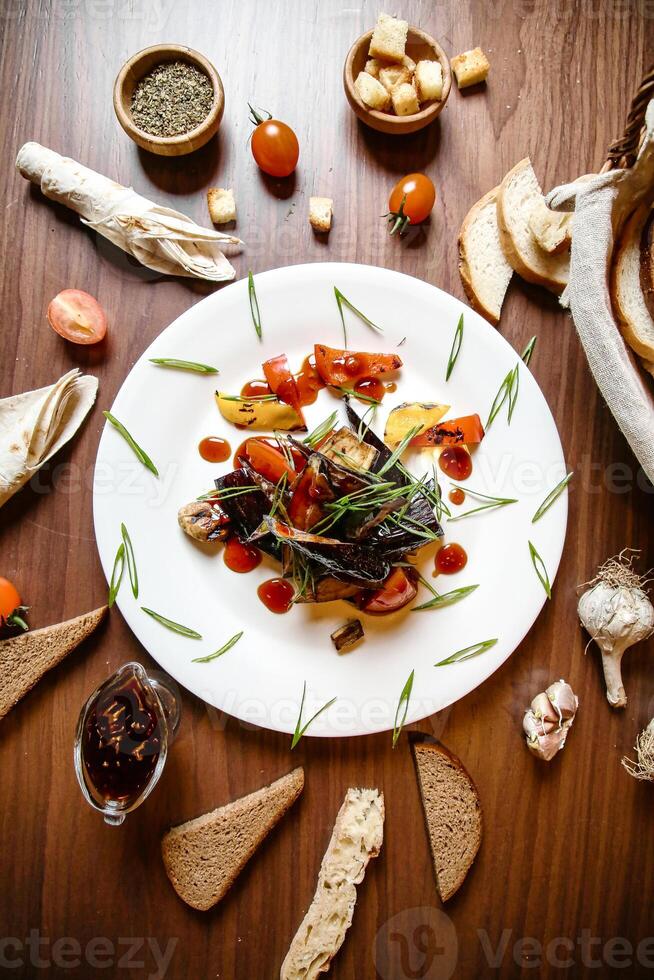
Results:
<point x="37" y="424"/>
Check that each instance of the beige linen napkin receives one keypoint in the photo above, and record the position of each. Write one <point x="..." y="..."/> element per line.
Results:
<point x="160" y="238"/>
<point x="35" y="425"/>
<point x="601" y="206"/>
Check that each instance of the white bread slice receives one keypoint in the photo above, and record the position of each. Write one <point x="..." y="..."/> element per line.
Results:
<point x="520" y="193"/>
<point x="484" y="270"/>
<point x="357" y="837"/>
<point x="647" y="263"/>
<point x="551" y="230"/>
<point x="629" y="305"/>
<point x="24" y="659"/>
<point x="452" y="814"/>
<point x="203" y="857"/>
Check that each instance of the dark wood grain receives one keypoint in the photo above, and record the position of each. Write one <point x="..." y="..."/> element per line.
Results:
<point x="568" y="849"/>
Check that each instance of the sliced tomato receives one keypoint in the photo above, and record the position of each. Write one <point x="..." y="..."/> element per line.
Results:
<point x="346" y="367"/>
<point x="281" y="381"/>
<point x="78" y="317"/>
<point x="396" y="592"/>
<point x="466" y="430"/>
<point x="271" y="463"/>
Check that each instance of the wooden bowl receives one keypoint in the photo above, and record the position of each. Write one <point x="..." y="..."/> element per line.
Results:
<point x="130" y="75"/>
<point x="418" y="46"/>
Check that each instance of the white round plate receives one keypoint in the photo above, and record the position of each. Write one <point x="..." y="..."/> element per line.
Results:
<point x="260" y="680"/>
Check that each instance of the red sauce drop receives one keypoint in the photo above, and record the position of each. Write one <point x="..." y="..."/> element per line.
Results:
<point x="255" y="389"/>
<point x="276" y="594"/>
<point x="308" y="381"/>
<point x="241" y="557"/>
<point x="214" y="449"/>
<point x="456" y="495"/>
<point x="450" y="559"/>
<point x="390" y="387"/>
<point x="370" y="388"/>
<point x="456" y="462"/>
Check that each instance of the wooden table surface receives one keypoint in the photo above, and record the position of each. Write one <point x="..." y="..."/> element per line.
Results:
<point x="565" y="871"/>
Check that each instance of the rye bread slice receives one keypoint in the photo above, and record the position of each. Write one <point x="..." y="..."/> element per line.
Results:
<point x="484" y="270"/>
<point x="203" y="857"/>
<point x="452" y="814"/>
<point x="647" y="263"/>
<point x="24" y="659"/>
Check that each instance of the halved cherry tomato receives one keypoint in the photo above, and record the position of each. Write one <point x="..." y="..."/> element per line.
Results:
<point x="411" y="200"/>
<point x="311" y="492"/>
<point x="78" y="317"/>
<point x="274" y="145"/>
<point x="11" y="608"/>
<point x="345" y="367"/>
<point x="268" y="461"/>
<point x="398" y="590"/>
<point x="467" y="430"/>
<point x="280" y="381"/>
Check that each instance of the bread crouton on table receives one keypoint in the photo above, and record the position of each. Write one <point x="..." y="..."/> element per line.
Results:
<point x="321" y="210"/>
<point x="222" y="206"/>
<point x="470" y="68"/>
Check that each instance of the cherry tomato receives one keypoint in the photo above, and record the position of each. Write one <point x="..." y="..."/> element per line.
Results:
<point x="398" y="590"/>
<point x="268" y="461"/>
<point x="78" y="317"/>
<point x="410" y="202"/>
<point x="11" y="609"/>
<point x="274" y="146"/>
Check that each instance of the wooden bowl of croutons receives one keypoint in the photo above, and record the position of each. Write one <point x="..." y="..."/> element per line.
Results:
<point x="396" y="78"/>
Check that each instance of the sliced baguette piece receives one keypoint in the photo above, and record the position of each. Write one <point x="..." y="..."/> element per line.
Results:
<point x="627" y="295"/>
<point x="520" y="194"/>
<point x="452" y="814"/>
<point x="647" y="263"/>
<point x="357" y="837"/>
<point x="484" y="270"/>
<point x="26" y="658"/>
<point x="551" y="230"/>
<point x="203" y="857"/>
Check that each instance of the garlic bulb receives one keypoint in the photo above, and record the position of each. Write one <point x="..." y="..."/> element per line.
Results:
<point x="617" y="613"/>
<point x="643" y="768"/>
<point x="549" y="718"/>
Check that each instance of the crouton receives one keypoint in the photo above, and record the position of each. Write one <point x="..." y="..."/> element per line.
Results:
<point x="470" y="68"/>
<point x="389" y="38"/>
<point x="222" y="206"/>
<point x="394" y="75"/>
<point x="409" y="63"/>
<point x="373" y="67"/>
<point x="372" y="92"/>
<point x="429" y="80"/>
<point x="321" y="210"/>
<point x="405" y="100"/>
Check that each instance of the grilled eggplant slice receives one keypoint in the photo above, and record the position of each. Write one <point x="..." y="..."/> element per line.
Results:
<point x="347" y="635"/>
<point x="355" y="564"/>
<point x="344" y="443"/>
<point x="246" y="511"/>
<point x="384" y="454"/>
<point x="204" y="521"/>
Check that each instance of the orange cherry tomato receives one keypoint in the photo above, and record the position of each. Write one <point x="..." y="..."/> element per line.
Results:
<point x="268" y="461"/>
<point x="411" y="201"/>
<point x="10" y="605"/>
<point x="78" y="317"/>
<point x="274" y="146"/>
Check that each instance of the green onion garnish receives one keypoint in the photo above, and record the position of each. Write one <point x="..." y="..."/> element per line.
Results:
<point x="116" y="574"/>
<point x="134" y="446"/>
<point x="447" y="598"/>
<point x="493" y="502"/>
<point x="174" y="362"/>
<point x="456" y="347"/>
<point x="131" y="561"/>
<point x="171" y="625"/>
<point x="254" y="305"/>
<point x="250" y="399"/>
<point x="541" y="571"/>
<point x="552" y="496"/>
<point x="214" y="656"/>
<point x="399" y="450"/>
<point x="344" y="301"/>
<point x="504" y="391"/>
<point x="321" y="431"/>
<point x="467" y="653"/>
<point x="299" y="731"/>
<point x="351" y="393"/>
<point x="528" y="351"/>
<point x="513" y="391"/>
<point x="403" y="702"/>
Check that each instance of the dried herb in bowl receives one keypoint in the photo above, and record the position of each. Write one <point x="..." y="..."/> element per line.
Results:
<point x="172" y="99"/>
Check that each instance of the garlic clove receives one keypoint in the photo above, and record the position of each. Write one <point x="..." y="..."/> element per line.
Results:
<point x="543" y="708"/>
<point x="563" y="699"/>
<point x="547" y="721"/>
<point x="545" y="747"/>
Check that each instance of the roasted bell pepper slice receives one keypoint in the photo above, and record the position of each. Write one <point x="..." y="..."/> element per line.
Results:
<point x="271" y="463"/>
<point x="397" y="591"/>
<point x="311" y="492"/>
<point x="281" y="381"/>
<point x="466" y="430"/>
<point x="346" y="367"/>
